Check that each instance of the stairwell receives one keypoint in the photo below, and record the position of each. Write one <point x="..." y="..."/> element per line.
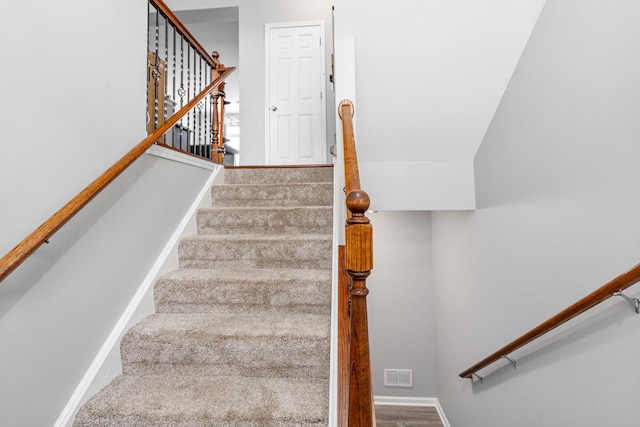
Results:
<point x="241" y="332"/>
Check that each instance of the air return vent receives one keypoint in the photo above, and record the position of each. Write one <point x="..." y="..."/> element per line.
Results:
<point x="398" y="378"/>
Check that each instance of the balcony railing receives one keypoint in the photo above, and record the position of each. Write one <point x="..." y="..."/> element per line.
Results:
<point x="179" y="68"/>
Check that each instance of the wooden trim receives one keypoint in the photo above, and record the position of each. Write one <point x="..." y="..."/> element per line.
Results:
<point x="40" y="235"/>
<point x="168" y="13"/>
<point x="601" y="294"/>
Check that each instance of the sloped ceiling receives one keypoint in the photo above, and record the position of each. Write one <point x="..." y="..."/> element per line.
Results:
<point x="430" y="74"/>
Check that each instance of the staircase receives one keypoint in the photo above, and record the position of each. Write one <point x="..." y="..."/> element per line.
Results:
<point x="240" y="336"/>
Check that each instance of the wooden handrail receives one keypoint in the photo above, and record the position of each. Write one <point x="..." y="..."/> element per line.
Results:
<point x="358" y="264"/>
<point x="40" y="235"/>
<point x="351" y="173"/>
<point x="168" y="13"/>
<point x="601" y="294"/>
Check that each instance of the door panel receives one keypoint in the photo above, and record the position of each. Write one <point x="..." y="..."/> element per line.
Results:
<point x="284" y="138"/>
<point x="295" y="95"/>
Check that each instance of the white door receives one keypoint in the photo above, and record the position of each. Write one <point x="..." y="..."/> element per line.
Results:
<point x="295" y="94"/>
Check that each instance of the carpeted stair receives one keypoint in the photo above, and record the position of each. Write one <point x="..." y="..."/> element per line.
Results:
<point x="240" y="336"/>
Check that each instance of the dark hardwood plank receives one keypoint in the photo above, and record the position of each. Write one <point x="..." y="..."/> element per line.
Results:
<point x="407" y="416"/>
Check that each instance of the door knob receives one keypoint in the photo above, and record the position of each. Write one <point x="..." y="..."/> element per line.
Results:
<point x="274" y="108"/>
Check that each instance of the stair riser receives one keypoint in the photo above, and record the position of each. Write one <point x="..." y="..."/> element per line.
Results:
<point x="283" y="175"/>
<point x="312" y="220"/>
<point x="316" y="194"/>
<point x="228" y="356"/>
<point x="244" y="254"/>
<point x="241" y="298"/>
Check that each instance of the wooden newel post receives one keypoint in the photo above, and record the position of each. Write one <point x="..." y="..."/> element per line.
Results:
<point x="215" y="131"/>
<point x="359" y="262"/>
<point x="217" y="153"/>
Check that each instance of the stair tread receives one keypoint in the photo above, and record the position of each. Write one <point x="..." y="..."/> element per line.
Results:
<point x="247" y="291"/>
<point x="265" y="208"/>
<point x="212" y="326"/>
<point x="275" y="185"/>
<point x="198" y="401"/>
<point x="319" y="173"/>
<point x="268" y="345"/>
<point x="261" y="275"/>
<point x="258" y="237"/>
<point x="266" y="220"/>
<point x="244" y="251"/>
<point x="281" y="194"/>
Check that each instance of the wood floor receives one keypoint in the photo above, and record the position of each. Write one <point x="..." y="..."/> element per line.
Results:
<point x="407" y="416"/>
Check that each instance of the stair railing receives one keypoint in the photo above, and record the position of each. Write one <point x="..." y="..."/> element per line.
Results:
<point x="207" y="143"/>
<point x="42" y="234"/>
<point x="612" y="288"/>
<point x="358" y="262"/>
<point x="178" y="68"/>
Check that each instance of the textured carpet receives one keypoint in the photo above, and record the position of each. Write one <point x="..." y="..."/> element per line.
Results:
<point x="240" y="336"/>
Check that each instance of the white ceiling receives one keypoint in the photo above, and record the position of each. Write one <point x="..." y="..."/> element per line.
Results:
<point x="213" y="16"/>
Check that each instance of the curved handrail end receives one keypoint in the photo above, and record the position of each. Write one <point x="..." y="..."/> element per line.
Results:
<point x="345" y="103"/>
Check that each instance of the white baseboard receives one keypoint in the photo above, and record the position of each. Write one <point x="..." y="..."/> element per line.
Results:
<point x="112" y="342"/>
<point x="413" y="401"/>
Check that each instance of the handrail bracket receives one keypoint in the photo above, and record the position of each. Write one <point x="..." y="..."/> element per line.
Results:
<point x="513" y="362"/>
<point x="635" y="302"/>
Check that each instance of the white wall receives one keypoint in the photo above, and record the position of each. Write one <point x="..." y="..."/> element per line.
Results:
<point x="419" y="186"/>
<point x="402" y="321"/>
<point x="73" y="102"/>
<point x="557" y="217"/>
<point x="254" y="14"/>
<point x="221" y="36"/>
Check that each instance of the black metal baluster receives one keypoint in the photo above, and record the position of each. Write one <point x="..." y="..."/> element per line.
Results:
<point x="148" y="64"/>
<point x="192" y="90"/>
<point x="189" y="114"/>
<point x="166" y="65"/>
<point x="195" y="110"/>
<point x="173" y="85"/>
<point x="207" y="125"/>
<point x="156" y="72"/>
<point x="184" y="145"/>
<point x="200" y="105"/>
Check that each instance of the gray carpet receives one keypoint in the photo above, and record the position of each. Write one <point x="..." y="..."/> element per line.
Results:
<point x="240" y="336"/>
